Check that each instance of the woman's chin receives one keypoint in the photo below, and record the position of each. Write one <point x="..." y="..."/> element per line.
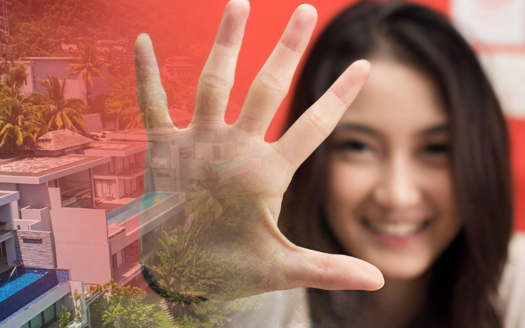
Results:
<point x="401" y="268"/>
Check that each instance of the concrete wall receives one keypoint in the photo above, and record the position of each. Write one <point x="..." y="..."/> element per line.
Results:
<point x="81" y="241"/>
<point x="34" y="195"/>
<point x="28" y="225"/>
<point x="76" y="86"/>
<point x="12" y="258"/>
<point x="5" y="216"/>
<point x="162" y="181"/>
<point x="160" y="149"/>
<point x="93" y="122"/>
<point x="37" y="214"/>
<point x="191" y="169"/>
<point x="14" y="205"/>
<point x="204" y="150"/>
<point x="36" y="249"/>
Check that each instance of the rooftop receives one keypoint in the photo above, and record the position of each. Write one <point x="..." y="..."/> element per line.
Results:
<point x="154" y="134"/>
<point x="106" y="145"/>
<point x="8" y="196"/>
<point x="112" y="148"/>
<point x="60" y="140"/>
<point x="40" y="169"/>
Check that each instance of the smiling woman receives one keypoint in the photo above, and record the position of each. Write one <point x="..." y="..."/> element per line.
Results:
<point x="414" y="179"/>
<point x="389" y="194"/>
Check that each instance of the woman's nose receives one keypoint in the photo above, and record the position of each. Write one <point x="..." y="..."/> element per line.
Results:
<point x="398" y="188"/>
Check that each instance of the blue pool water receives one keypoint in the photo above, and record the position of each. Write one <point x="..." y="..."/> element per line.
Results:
<point x="130" y="209"/>
<point x="228" y="165"/>
<point x="11" y="287"/>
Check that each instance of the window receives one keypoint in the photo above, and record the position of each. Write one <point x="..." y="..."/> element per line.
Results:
<point x="36" y="322"/>
<point x="49" y="314"/>
<point x="32" y="240"/>
<point x="114" y="263"/>
<point x="111" y="167"/>
<point x="44" y="319"/>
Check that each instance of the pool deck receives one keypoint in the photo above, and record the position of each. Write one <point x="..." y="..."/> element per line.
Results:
<point x="110" y="205"/>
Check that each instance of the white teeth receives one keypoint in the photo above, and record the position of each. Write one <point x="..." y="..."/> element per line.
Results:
<point x="396" y="229"/>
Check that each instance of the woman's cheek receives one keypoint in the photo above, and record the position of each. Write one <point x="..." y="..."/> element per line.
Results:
<point x="349" y="185"/>
<point x="439" y="189"/>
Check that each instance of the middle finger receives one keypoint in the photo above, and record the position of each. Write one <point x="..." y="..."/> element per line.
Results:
<point x="273" y="81"/>
<point x="217" y="77"/>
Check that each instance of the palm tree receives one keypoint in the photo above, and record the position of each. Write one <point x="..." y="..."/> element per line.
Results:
<point x="59" y="112"/>
<point x="86" y="63"/>
<point x="210" y="197"/>
<point x="19" y="125"/>
<point x="13" y="73"/>
<point x="5" y="41"/>
<point x="134" y="118"/>
<point x="113" y="62"/>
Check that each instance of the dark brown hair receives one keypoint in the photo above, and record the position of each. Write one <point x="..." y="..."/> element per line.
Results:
<point x="466" y="276"/>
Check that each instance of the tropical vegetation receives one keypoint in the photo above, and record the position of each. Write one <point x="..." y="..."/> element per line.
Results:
<point x="87" y="62"/>
<point x="188" y="270"/>
<point x="19" y="124"/>
<point x="54" y="108"/>
<point x="123" y="307"/>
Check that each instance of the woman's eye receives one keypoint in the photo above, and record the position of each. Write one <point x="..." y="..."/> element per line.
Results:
<point x="352" y="145"/>
<point x="436" y="148"/>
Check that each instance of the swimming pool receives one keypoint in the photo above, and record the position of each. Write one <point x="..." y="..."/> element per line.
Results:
<point x="228" y="165"/>
<point x="13" y="286"/>
<point x="133" y="208"/>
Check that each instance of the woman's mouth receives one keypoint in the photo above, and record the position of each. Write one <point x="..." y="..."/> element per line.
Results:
<point x="395" y="232"/>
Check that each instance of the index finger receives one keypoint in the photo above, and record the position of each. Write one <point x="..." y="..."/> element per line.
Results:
<point x="153" y="102"/>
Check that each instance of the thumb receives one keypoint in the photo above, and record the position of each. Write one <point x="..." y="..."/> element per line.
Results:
<point x="333" y="272"/>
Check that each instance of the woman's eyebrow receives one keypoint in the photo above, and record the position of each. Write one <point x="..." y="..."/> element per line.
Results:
<point x="358" y="128"/>
<point x="439" y="128"/>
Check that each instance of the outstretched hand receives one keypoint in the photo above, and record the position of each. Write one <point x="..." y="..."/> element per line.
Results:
<point x="231" y="246"/>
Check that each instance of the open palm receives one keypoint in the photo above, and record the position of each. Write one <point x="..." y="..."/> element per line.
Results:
<point x="236" y="248"/>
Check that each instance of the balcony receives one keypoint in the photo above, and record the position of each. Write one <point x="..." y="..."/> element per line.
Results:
<point x="160" y="163"/>
<point x="5" y="233"/>
<point x="146" y="210"/>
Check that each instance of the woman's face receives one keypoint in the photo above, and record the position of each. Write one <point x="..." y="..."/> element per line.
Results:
<point x="389" y="197"/>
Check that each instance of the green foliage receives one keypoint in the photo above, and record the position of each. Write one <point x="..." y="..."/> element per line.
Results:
<point x="13" y="74"/>
<point x="127" y="305"/>
<point x="190" y="263"/>
<point x="187" y="268"/>
<point x="36" y="25"/>
<point x="54" y="108"/>
<point x="78" y="307"/>
<point x="19" y="124"/>
<point x="173" y="23"/>
<point x="65" y="318"/>
<point x="87" y="63"/>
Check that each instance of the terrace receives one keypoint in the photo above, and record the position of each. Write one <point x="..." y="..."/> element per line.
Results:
<point x="41" y="169"/>
<point x="109" y="148"/>
<point x="140" y="206"/>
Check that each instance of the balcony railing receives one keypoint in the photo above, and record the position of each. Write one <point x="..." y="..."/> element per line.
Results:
<point x="144" y="217"/>
<point x="92" y="293"/>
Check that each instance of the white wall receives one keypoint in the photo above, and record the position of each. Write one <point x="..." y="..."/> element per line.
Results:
<point x="76" y="87"/>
